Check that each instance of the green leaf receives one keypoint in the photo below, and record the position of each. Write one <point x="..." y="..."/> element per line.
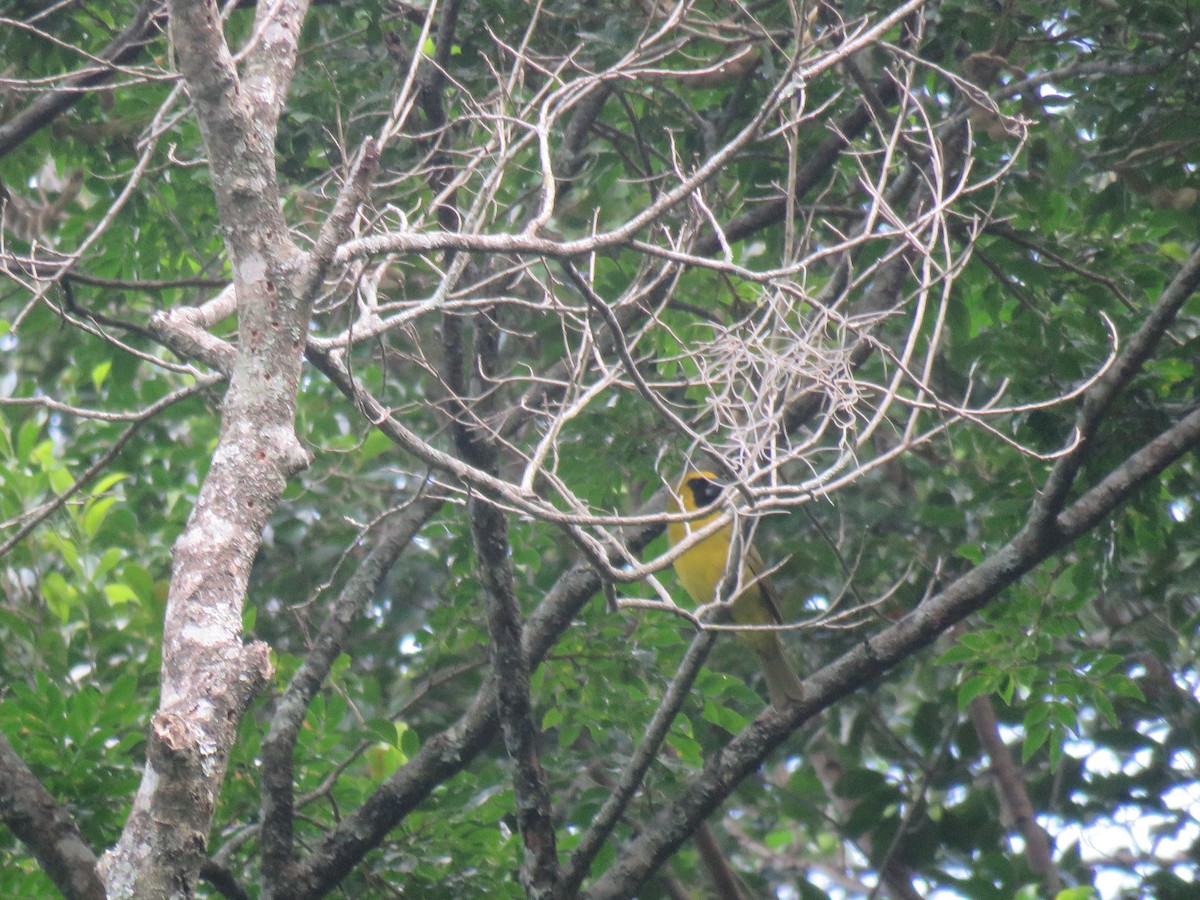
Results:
<point x="1056" y="751"/>
<point x="1173" y="251"/>
<point x="106" y="482"/>
<point x="1034" y="739"/>
<point x="108" y="561"/>
<point x="723" y="717"/>
<point x="779" y="838"/>
<point x="972" y="688"/>
<point x="858" y="783"/>
<point x="1122" y="686"/>
<point x="100" y="373"/>
<point x="27" y="437"/>
<point x="688" y="750"/>
<point x="957" y="655"/>
<point x="382" y="760"/>
<point x="973" y="553"/>
<point x="60" y="477"/>
<point x="118" y="594"/>
<point x="42" y="455"/>
<point x="982" y="642"/>
<point x="1036" y="714"/>
<point x="1105" y="707"/>
<point x="60" y="596"/>
<point x="1008" y="685"/>
<point x="94" y="514"/>
<point x="409" y="743"/>
<point x="568" y="734"/>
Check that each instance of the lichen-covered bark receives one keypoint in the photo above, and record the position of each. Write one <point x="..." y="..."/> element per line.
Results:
<point x="209" y="674"/>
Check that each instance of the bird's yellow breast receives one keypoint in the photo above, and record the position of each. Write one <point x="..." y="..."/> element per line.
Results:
<point x="701" y="571"/>
<point x="700" y="568"/>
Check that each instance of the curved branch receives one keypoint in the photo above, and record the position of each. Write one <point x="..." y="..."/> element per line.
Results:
<point x="50" y="105"/>
<point x="878" y="654"/>
<point x="1098" y="401"/>
<point x="409" y="241"/>
<point x="1010" y="786"/>
<point x="46" y="510"/>
<point x="279" y="745"/>
<point x="37" y="820"/>
<point x="449" y="751"/>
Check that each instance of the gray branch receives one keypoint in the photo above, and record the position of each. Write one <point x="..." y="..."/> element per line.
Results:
<point x="209" y="676"/>
<point x="36" y="819"/>
<point x="877" y="655"/>
<point x="278" y="747"/>
<point x="49" y="105"/>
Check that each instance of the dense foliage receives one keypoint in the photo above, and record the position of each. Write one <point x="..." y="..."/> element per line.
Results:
<point x="918" y="279"/>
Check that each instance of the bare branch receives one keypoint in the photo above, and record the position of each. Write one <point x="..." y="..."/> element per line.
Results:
<point x="278" y="748"/>
<point x="510" y="673"/>
<point x="1098" y="401"/>
<point x="879" y="653"/>
<point x="143" y="27"/>
<point x="32" y="518"/>
<point x="1010" y="787"/>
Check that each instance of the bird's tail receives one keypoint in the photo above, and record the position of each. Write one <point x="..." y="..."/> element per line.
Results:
<point x="783" y="684"/>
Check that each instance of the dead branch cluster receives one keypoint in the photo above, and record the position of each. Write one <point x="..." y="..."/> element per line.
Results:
<point x="450" y="240"/>
<point x="797" y="328"/>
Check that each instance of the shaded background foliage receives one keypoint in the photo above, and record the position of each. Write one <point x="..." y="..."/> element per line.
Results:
<point x="1088" y="663"/>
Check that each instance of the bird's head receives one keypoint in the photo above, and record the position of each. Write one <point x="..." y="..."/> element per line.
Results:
<point x="698" y="490"/>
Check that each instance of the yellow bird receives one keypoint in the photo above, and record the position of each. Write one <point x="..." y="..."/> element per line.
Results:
<point x="701" y="569"/>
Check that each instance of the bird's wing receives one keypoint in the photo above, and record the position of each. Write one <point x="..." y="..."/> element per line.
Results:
<point x="757" y="570"/>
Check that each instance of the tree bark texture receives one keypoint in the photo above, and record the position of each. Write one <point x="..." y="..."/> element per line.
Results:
<point x="209" y="674"/>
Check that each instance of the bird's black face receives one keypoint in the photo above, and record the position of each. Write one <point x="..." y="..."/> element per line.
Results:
<point x="704" y="490"/>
